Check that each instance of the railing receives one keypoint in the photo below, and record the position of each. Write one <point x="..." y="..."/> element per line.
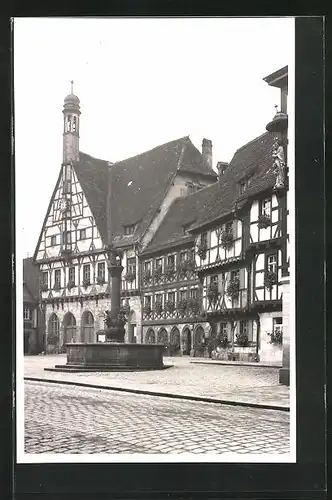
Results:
<point x="168" y="277"/>
<point x="165" y="315"/>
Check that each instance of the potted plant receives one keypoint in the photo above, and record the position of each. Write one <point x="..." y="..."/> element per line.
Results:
<point x="182" y="306"/>
<point x="147" y="308"/>
<point x="146" y="276"/>
<point x="86" y="283"/>
<point x="264" y="221"/>
<point x="130" y="276"/>
<point x="71" y="284"/>
<point x="44" y="287"/>
<point x="194" y="305"/>
<point x="159" y="307"/>
<point x="223" y="340"/>
<point x="276" y="337"/>
<point x="242" y="339"/>
<point x="169" y="272"/>
<point x="158" y="272"/>
<point x="100" y="280"/>
<point x="212" y="292"/>
<point x="270" y="279"/>
<point x="57" y="286"/>
<point x="169" y="306"/>
<point x="227" y="239"/>
<point x="202" y="249"/>
<point x="233" y="288"/>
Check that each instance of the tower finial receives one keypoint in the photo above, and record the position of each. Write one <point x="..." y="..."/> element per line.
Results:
<point x="72" y="86"/>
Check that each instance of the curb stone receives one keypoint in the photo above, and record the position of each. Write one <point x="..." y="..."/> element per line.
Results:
<point x="163" y="394"/>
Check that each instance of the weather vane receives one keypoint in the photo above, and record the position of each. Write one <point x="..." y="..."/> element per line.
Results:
<point x="72" y="86"/>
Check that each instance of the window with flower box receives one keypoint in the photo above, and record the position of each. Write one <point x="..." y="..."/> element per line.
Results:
<point x="183" y="257"/>
<point x="277" y="325"/>
<point x="57" y="278"/>
<point x="171" y="261"/>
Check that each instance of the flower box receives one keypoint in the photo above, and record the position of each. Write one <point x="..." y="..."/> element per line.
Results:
<point x="275" y="337"/>
<point x="71" y="284"/>
<point x="227" y="239"/>
<point x="100" y="280"/>
<point x="202" y="250"/>
<point x="130" y="276"/>
<point x="270" y="279"/>
<point x="86" y="283"/>
<point x="169" y="306"/>
<point x="57" y="287"/>
<point x="264" y="221"/>
<point x="44" y="287"/>
<point x="233" y="288"/>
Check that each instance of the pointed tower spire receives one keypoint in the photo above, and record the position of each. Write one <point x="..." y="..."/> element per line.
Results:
<point x="71" y="115"/>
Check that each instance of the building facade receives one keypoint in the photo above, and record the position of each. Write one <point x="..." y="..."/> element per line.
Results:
<point x="33" y="318"/>
<point x="205" y="257"/>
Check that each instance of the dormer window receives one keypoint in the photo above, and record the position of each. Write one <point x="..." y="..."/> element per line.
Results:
<point x="243" y="187"/>
<point x="130" y="229"/>
<point x="266" y="207"/>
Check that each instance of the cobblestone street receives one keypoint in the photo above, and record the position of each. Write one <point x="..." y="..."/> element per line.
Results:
<point x="69" y="419"/>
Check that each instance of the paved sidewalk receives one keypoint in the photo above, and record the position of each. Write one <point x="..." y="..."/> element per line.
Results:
<point x="231" y="383"/>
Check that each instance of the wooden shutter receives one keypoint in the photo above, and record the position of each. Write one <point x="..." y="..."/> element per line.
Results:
<point x="242" y="278"/>
<point x="235" y="232"/>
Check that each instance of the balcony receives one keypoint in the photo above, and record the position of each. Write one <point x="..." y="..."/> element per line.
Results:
<point x="185" y="309"/>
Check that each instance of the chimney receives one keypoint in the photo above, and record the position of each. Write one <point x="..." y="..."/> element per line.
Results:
<point x="207" y="151"/>
<point x="222" y="166"/>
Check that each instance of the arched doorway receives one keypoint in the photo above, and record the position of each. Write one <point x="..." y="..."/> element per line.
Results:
<point x="162" y="338"/>
<point x="53" y="334"/>
<point x="186" y="341"/>
<point x="87" y="327"/>
<point x="69" y="328"/>
<point x="175" y="342"/>
<point x="199" y="337"/>
<point x="150" y="337"/>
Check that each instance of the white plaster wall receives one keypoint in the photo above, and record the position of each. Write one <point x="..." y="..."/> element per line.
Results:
<point x="269" y="353"/>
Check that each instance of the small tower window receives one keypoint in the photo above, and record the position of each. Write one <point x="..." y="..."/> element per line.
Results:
<point x="74" y="123"/>
<point x="69" y="123"/>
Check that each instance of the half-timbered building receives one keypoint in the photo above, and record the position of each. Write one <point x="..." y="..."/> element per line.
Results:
<point x="236" y="232"/>
<point x="71" y="250"/>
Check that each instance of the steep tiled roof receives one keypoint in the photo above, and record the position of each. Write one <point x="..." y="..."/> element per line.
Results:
<point x="183" y="213"/>
<point x="253" y="159"/>
<point x="30" y="280"/>
<point x="219" y="199"/>
<point x="139" y="185"/>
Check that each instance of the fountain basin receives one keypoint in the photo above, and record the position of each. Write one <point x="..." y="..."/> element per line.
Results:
<point x="112" y="356"/>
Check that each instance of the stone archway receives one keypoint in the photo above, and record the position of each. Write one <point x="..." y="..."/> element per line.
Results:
<point x="69" y="328"/>
<point x="175" y="342"/>
<point x="87" y="327"/>
<point x="186" y="341"/>
<point x="199" y="337"/>
<point x="150" y="336"/>
<point x="162" y="338"/>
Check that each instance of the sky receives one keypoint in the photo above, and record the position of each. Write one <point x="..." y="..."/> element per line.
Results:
<point x="141" y="83"/>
